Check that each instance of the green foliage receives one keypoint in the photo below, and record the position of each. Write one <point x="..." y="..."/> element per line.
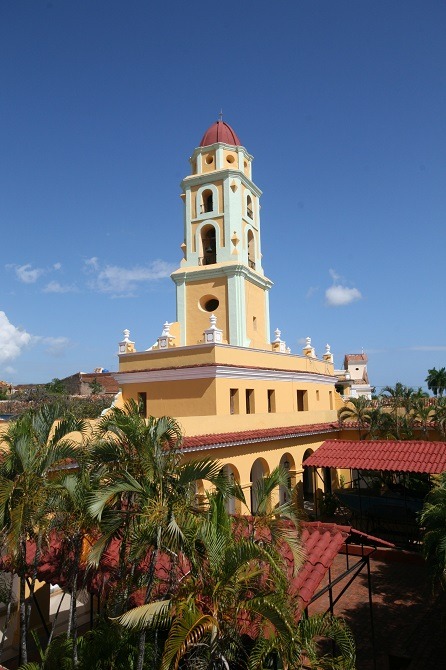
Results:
<point x="436" y="381"/>
<point x="433" y="521"/>
<point x="133" y="487"/>
<point x="105" y="647"/>
<point x="95" y="387"/>
<point x="55" y="387"/>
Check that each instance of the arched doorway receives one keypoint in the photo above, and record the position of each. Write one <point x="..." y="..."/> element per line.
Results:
<point x="231" y="473"/>
<point x="259" y="470"/>
<point x="287" y="463"/>
<point x="308" y="478"/>
<point x="199" y="492"/>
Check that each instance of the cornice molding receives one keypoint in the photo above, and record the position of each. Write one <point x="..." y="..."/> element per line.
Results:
<point x="217" y="270"/>
<point x="220" y="175"/>
<point x="220" y="372"/>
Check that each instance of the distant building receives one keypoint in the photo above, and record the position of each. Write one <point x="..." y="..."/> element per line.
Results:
<point x="353" y="378"/>
<point x="82" y="383"/>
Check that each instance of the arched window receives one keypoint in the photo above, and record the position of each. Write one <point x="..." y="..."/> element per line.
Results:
<point x="249" y="211"/>
<point x="208" y="245"/>
<point x="251" y="250"/>
<point x="207" y="201"/>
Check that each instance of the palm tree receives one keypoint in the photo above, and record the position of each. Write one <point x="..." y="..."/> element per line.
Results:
<point x="299" y="649"/>
<point x="440" y="416"/>
<point x="399" y="395"/>
<point x="71" y="519"/>
<point x="147" y="495"/>
<point x="358" y="410"/>
<point x="281" y="522"/>
<point x="433" y="520"/>
<point x="32" y="449"/>
<point x="423" y="415"/>
<point x="436" y="381"/>
<point x="400" y="399"/>
<point x="236" y="585"/>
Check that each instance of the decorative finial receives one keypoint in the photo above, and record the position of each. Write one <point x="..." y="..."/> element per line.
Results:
<point x="220" y="116"/>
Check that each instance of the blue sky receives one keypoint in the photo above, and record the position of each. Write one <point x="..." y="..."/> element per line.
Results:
<point x="342" y="104"/>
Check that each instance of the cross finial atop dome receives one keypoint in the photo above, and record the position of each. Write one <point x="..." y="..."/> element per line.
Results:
<point x="220" y="116"/>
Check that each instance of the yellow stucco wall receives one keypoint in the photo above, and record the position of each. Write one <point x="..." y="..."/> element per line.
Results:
<point x="197" y="318"/>
<point x="230" y="159"/>
<point x="225" y="355"/>
<point x="208" y="167"/>
<point x="256" y="309"/>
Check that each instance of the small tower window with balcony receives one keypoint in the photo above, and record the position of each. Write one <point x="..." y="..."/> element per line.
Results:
<point x="207" y="201"/>
<point x="251" y="250"/>
<point x="209" y="246"/>
<point x="249" y="210"/>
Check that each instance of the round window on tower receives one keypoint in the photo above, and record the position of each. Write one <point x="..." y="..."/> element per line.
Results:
<point x="209" y="303"/>
<point x="209" y="159"/>
<point x="230" y="158"/>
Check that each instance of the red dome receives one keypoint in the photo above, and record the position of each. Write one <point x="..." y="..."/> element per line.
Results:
<point x="220" y="132"/>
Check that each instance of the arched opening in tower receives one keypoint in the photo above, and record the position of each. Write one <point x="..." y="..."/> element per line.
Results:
<point x="208" y="241"/>
<point x="207" y="201"/>
<point x="251" y="250"/>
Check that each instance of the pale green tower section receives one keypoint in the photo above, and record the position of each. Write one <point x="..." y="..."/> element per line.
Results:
<point x="221" y="271"/>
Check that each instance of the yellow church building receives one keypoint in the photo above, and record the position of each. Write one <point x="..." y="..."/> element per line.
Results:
<point x="239" y="397"/>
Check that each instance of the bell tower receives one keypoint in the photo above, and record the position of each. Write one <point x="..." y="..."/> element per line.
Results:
<point x="221" y="272"/>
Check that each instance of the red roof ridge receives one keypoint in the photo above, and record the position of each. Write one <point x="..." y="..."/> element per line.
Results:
<point x="259" y="434"/>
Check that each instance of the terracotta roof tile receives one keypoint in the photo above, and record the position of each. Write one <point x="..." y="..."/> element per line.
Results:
<point x="387" y="455"/>
<point x="258" y="435"/>
<point x="321" y="544"/>
<point x="360" y="358"/>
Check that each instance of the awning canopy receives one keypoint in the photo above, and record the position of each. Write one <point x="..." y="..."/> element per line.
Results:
<point x="382" y="455"/>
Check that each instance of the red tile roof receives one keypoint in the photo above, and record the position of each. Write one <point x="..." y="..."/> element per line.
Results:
<point x="360" y="358"/>
<point x="321" y="544"/>
<point x="387" y="455"/>
<point x="105" y="379"/>
<point x="258" y="435"/>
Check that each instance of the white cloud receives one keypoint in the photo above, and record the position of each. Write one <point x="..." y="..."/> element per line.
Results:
<point x="12" y="339"/>
<point x="55" y="287"/>
<point x="10" y="370"/>
<point x="338" y="294"/>
<point x="422" y="347"/>
<point x="55" y="346"/>
<point x="120" y="281"/>
<point x="27" y="274"/>
<point x="311" y="291"/>
<point x="92" y="263"/>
